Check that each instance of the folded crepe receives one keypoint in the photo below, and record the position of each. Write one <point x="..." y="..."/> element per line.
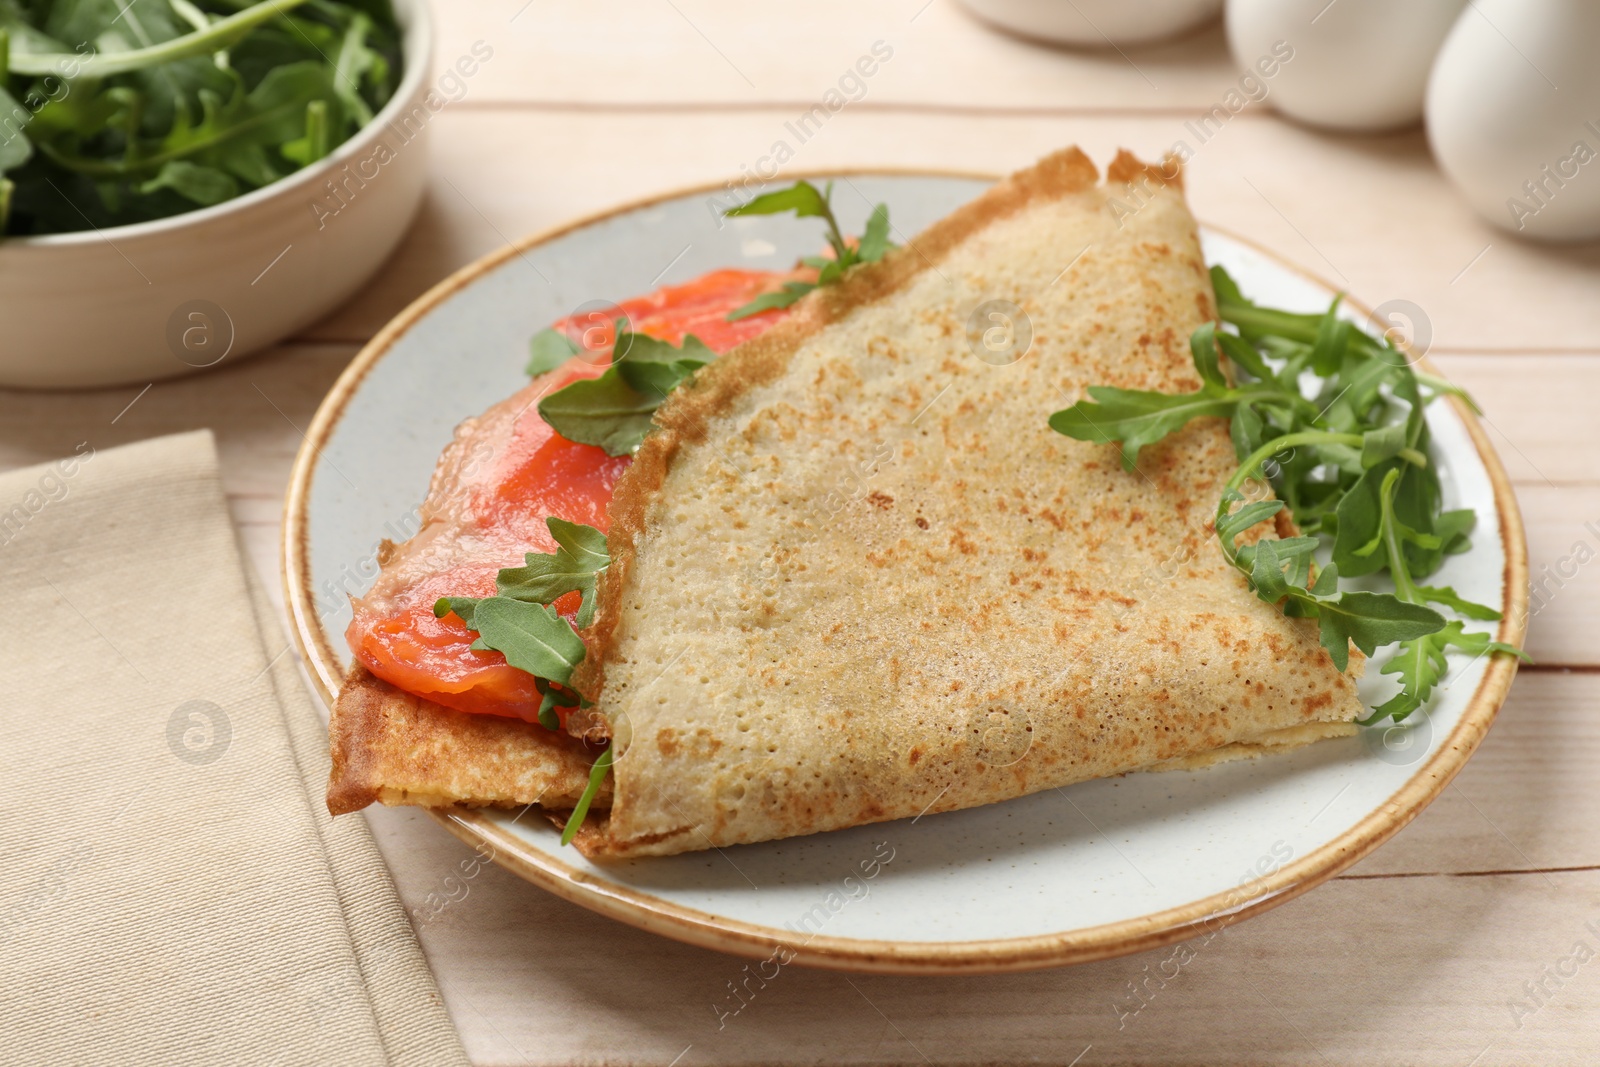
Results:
<point x="856" y="577"/>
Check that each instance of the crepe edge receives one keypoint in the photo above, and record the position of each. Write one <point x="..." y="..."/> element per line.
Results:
<point x="593" y="839"/>
<point x="392" y="747"/>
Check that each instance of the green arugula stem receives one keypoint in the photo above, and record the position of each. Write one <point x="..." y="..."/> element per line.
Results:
<point x="1267" y="320"/>
<point x="1251" y="467"/>
<point x="97" y="169"/>
<point x="316" y="131"/>
<point x="1399" y="570"/>
<point x="835" y="236"/>
<point x="1294" y="328"/>
<point x="1320" y="486"/>
<point x="1252" y="463"/>
<point x="218" y="36"/>
<point x="597" y="775"/>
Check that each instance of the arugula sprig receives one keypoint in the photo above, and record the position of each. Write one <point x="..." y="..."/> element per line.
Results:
<point x="806" y="201"/>
<point x="520" y="622"/>
<point x="1349" y="463"/>
<point x="614" y="411"/>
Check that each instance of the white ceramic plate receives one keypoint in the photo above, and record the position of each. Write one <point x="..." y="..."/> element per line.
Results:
<point x="1094" y="870"/>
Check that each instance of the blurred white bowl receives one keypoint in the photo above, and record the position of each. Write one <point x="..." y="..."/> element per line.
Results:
<point x="1357" y="64"/>
<point x="134" y="304"/>
<point x="1096" y="23"/>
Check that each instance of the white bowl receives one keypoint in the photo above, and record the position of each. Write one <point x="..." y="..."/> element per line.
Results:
<point x="1354" y="65"/>
<point x="133" y="304"/>
<point x="1096" y="23"/>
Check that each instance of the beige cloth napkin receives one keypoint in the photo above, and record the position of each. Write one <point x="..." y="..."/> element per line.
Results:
<point x="172" y="889"/>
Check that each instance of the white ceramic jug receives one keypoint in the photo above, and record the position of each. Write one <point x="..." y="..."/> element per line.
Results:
<point x="1358" y="64"/>
<point x="1514" y="115"/>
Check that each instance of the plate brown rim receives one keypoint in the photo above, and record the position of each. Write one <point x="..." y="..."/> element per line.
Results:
<point x="751" y="940"/>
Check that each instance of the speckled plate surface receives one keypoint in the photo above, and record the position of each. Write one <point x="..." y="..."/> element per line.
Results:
<point x="1063" y="876"/>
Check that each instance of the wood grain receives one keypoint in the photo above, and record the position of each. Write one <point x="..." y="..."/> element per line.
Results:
<point x="1373" y="215"/>
<point x="694" y="53"/>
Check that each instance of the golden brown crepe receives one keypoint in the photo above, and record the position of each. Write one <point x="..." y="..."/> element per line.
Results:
<point x="856" y="577"/>
<point x="396" y="748"/>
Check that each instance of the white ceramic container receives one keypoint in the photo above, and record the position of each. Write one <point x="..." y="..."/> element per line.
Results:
<point x="1357" y="64"/>
<point x="134" y="304"/>
<point x="1096" y="23"/>
<point x="1514" y="115"/>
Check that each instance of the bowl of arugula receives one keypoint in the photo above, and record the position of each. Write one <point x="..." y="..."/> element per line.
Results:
<point x="185" y="182"/>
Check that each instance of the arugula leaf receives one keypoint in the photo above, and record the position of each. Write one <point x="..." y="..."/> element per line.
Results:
<point x="806" y="201"/>
<point x="1368" y="620"/>
<point x="461" y="605"/>
<point x="549" y="701"/>
<point x="1229" y="528"/>
<point x="1383" y="443"/>
<point x="802" y="198"/>
<point x="604" y="411"/>
<point x="574" y="566"/>
<point x="549" y="349"/>
<point x="15" y="148"/>
<point x="520" y="622"/>
<point x="642" y="348"/>
<point x="582" y="543"/>
<point x="875" y="241"/>
<point x="532" y="637"/>
<point x="1241" y="353"/>
<point x="203" y="185"/>
<point x="778" y="298"/>
<point x="1420" y="665"/>
<point x="1207" y="359"/>
<point x="1137" y="417"/>
<point x="1449" y="598"/>
<point x="1331" y="343"/>
<point x="616" y="410"/>
<point x="1358" y="531"/>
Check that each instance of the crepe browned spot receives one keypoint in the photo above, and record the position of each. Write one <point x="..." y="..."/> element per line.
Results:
<point x="856" y="577"/>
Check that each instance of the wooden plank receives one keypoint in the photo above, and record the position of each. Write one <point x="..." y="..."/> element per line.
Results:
<point x="1538" y="409"/>
<point x="1373" y="214"/>
<point x="1563" y="525"/>
<point x="256" y="407"/>
<point x="696" y="52"/>
<point x="1525" y="799"/>
<point x="1423" y="970"/>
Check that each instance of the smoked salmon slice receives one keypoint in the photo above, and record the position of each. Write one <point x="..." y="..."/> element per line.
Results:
<point x="504" y="472"/>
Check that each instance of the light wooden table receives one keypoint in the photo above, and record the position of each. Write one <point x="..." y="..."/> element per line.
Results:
<point x="1419" y="955"/>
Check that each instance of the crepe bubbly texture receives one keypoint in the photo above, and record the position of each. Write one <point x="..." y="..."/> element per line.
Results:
<point x="856" y="577"/>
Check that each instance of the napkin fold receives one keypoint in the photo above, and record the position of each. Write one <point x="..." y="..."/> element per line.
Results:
<point x="172" y="889"/>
